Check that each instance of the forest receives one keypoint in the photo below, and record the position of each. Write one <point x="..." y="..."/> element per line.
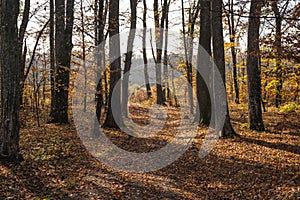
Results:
<point x="136" y="99"/>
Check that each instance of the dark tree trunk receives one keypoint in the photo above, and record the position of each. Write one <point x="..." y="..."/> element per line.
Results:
<point x="159" y="41"/>
<point x="219" y="56"/>
<point x="115" y="65"/>
<point x="23" y="50"/>
<point x="232" y="39"/>
<point x="253" y="72"/>
<point x="128" y="57"/>
<point x="52" y="55"/>
<point x="187" y="61"/>
<point x="278" y="47"/>
<point x="10" y="80"/>
<point x="64" y="15"/>
<point x="205" y="41"/>
<point x="148" y="87"/>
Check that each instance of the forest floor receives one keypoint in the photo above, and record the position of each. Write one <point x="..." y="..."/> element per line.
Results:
<point x="258" y="165"/>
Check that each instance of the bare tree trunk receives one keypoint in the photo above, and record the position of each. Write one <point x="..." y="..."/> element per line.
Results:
<point x="159" y="42"/>
<point x="115" y="65"/>
<point x="187" y="61"/>
<point x="83" y="54"/>
<point x="23" y="50"/>
<point x="128" y="57"/>
<point x="148" y="87"/>
<point x="278" y="38"/>
<point x="253" y="72"/>
<point x="52" y="55"/>
<point x="219" y="57"/>
<point x="205" y="41"/>
<point x="64" y="13"/>
<point x="10" y="80"/>
<point x="165" y="60"/>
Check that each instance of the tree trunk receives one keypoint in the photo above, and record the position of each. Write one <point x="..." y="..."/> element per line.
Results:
<point x="10" y="80"/>
<point x="128" y="57"/>
<point x="64" y="14"/>
<point x="232" y="39"/>
<point x="278" y="38"/>
<point x="159" y="42"/>
<point x="187" y="61"/>
<point x="253" y="72"/>
<point x="115" y="65"/>
<point x="23" y="50"/>
<point x="52" y="55"/>
<point x="148" y="87"/>
<point x="219" y="56"/>
<point x="205" y="41"/>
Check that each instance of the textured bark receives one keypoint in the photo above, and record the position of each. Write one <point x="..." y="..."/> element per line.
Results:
<point x="219" y="56"/>
<point x="64" y="18"/>
<point x="205" y="41"/>
<point x="10" y="80"/>
<point x="253" y="72"/>
<point x="128" y="57"/>
<point x="115" y="65"/>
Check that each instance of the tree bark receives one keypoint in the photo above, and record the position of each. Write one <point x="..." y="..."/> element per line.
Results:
<point x="253" y="72"/>
<point x="204" y="41"/>
<point x="115" y="65"/>
<point x="128" y="57"/>
<point x="23" y="50"/>
<point x="64" y="15"/>
<point x="10" y="80"/>
<point x="219" y="57"/>
<point x="148" y="87"/>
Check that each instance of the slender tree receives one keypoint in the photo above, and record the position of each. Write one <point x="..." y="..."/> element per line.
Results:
<point x="148" y="87"/>
<point x="128" y="56"/>
<point x="253" y="72"/>
<point x="22" y="47"/>
<point x="115" y="65"/>
<point x="219" y="57"/>
<point x="204" y="41"/>
<point x="64" y="21"/>
<point x="10" y="80"/>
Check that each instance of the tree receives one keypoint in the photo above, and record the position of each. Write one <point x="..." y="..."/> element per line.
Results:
<point x="128" y="57"/>
<point x="159" y="44"/>
<point x="232" y="27"/>
<point x="219" y="57"/>
<point x="115" y="65"/>
<point x="253" y="72"/>
<point x="64" y="20"/>
<point x="23" y="51"/>
<point x="10" y="80"/>
<point x="204" y="41"/>
<point x="148" y="87"/>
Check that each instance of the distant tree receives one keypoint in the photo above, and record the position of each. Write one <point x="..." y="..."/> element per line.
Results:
<point x="64" y="21"/>
<point x="253" y="71"/>
<point x="10" y="80"/>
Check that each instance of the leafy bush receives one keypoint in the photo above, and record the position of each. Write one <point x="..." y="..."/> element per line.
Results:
<point x="290" y="107"/>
